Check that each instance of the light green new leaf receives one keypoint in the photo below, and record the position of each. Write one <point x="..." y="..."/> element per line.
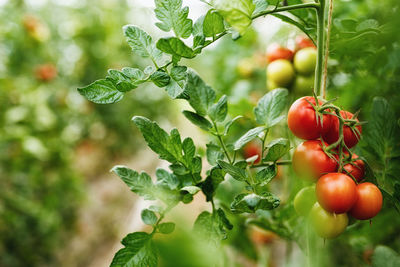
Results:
<point x="219" y="110"/>
<point x="213" y="24"/>
<point x="173" y="17"/>
<point x="140" y="184"/>
<point x="139" y="251"/>
<point x="101" y="92"/>
<point x="236" y="12"/>
<point x="271" y="106"/>
<point x="175" y="47"/>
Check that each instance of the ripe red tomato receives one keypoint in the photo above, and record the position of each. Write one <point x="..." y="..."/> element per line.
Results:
<point x="310" y="161"/>
<point x="350" y="139"/>
<point x="356" y="168"/>
<point x="336" y="192"/>
<point x="326" y="224"/>
<point x="251" y="149"/>
<point x="46" y="72"/>
<point x="276" y="51"/>
<point x="303" y="42"/>
<point x="302" y="120"/>
<point x="369" y="201"/>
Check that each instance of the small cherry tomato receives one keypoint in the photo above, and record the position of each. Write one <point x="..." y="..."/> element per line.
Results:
<point x="310" y="161"/>
<point x="305" y="60"/>
<point x="369" y="201"/>
<point x="276" y="51"/>
<point x="303" y="42"/>
<point x="262" y="237"/>
<point x="302" y="119"/>
<point x="251" y="149"/>
<point x="355" y="168"/>
<point x="336" y="192"/>
<point x="326" y="224"/>
<point x="304" y="200"/>
<point x="350" y="139"/>
<point x="280" y="72"/>
<point x="46" y="72"/>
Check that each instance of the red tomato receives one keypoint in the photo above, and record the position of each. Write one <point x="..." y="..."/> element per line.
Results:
<point x="303" y="42"/>
<point x="310" y="161"/>
<point x="350" y="139"/>
<point x="356" y="168"/>
<point x="369" y="201"/>
<point x="262" y="237"/>
<point x="46" y="72"/>
<point x="276" y="51"/>
<point x="336" y="192"/>
<point x="302" y="120"/>
<point x="251" y="149"/>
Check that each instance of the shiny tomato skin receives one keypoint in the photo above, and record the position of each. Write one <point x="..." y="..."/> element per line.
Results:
<point x="326" y="224"/>
<point x="350" y="139"/>
<point x="281" y="72"/>
<point x="369" y="201"/>
<point x="310" y="161"/>
<point x="302" y="120"/>
<point x="356" y="168"/>
<point x="304" y="200"/>
<point x="336" y="192"/>
<point x="304" y="60"/>
<point x="251" y="149"/>
<point x="303" y="42"/>
<point x="276" y="51"/>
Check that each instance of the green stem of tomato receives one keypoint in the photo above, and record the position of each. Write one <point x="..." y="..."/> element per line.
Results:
<point x="286" y="8"/>
<point x="318" y="90"/>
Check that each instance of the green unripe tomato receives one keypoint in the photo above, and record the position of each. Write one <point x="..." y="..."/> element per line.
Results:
<point x="280" y="72"/>
<point x="303" y="84"/>
<point x="305" y="60"/>
<point x="305" y="200"/>
<point x="271" y="85"/>
<point x="326" y="224"/>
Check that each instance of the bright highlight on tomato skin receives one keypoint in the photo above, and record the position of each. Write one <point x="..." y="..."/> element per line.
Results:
<point x="369" y="201"/>
<point x="336" y="192"/>
<point x="310" y="161"/>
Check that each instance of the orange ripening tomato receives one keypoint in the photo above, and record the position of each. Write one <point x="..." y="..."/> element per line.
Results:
<point x="262" y="237"/>
<point x="46" y="72"/>
<point x="310" y="161"/>
<point x="336" y="192"/>
<point x="369" y="201"/>
<point x="303" y="42"/>
<point x="251" y="149"/>
<point x="276" y="51"/>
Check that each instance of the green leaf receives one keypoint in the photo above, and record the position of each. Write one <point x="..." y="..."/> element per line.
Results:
<point x="236" y="12"/>
<point x="177" y="82"/>
<point x="139" y="251"/>
<point x="229" y="124"/>
<point x="191" y="189"/>
<point x="277" y="149"/>
<point x="236" y="172"/>
<point x="270" y="106"/>
<point x="122" y="82"/>
<point x="149" y="70"/>
<point x="213" y="24"/>
<point x="173" y="17"/>
<point x="167" y="147"/>
<point x="385" y="257"/>
<point x="160" y="78"/>
<point x="265" y="176"/>
<point x="141" y="184"/>
<point x="197" y="120"/>
<point x="247" y="137"/>
<point x="212" y="181"/>
<point x="201" y="96"/>
<point x="166" y="178"/>
<point x="251" y="202"/>
<point x="209" y="228"/>
<point x="101" y="92"/>
<point x="224" y="220"/>
<point x="148" y="217"/>
<point x="198" y="26"/>
<point x="141" y="43"/>
<point x="175" y="47"/>
<point x="136" y="75"/>
<point x="219" y="110"/>
<point x="297" y="22"/>
<point x="166" y="228"/>
<point x="213" y="153"/>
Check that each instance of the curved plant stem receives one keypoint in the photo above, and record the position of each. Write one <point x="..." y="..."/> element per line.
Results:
<point x="320" y="48"/>
<point x="286" y="8"/>
<point x="328" y="34"/>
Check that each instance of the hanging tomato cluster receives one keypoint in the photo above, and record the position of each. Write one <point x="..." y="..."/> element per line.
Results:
<point x="325" y="157"/>
<point x="287" y="68"/>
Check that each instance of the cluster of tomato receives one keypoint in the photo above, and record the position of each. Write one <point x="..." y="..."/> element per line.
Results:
<point x="289" y="68"/>
<point x="339" y="189"/>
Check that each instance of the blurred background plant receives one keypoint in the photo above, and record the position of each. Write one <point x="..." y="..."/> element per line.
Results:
<point x="55" y="145"/>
